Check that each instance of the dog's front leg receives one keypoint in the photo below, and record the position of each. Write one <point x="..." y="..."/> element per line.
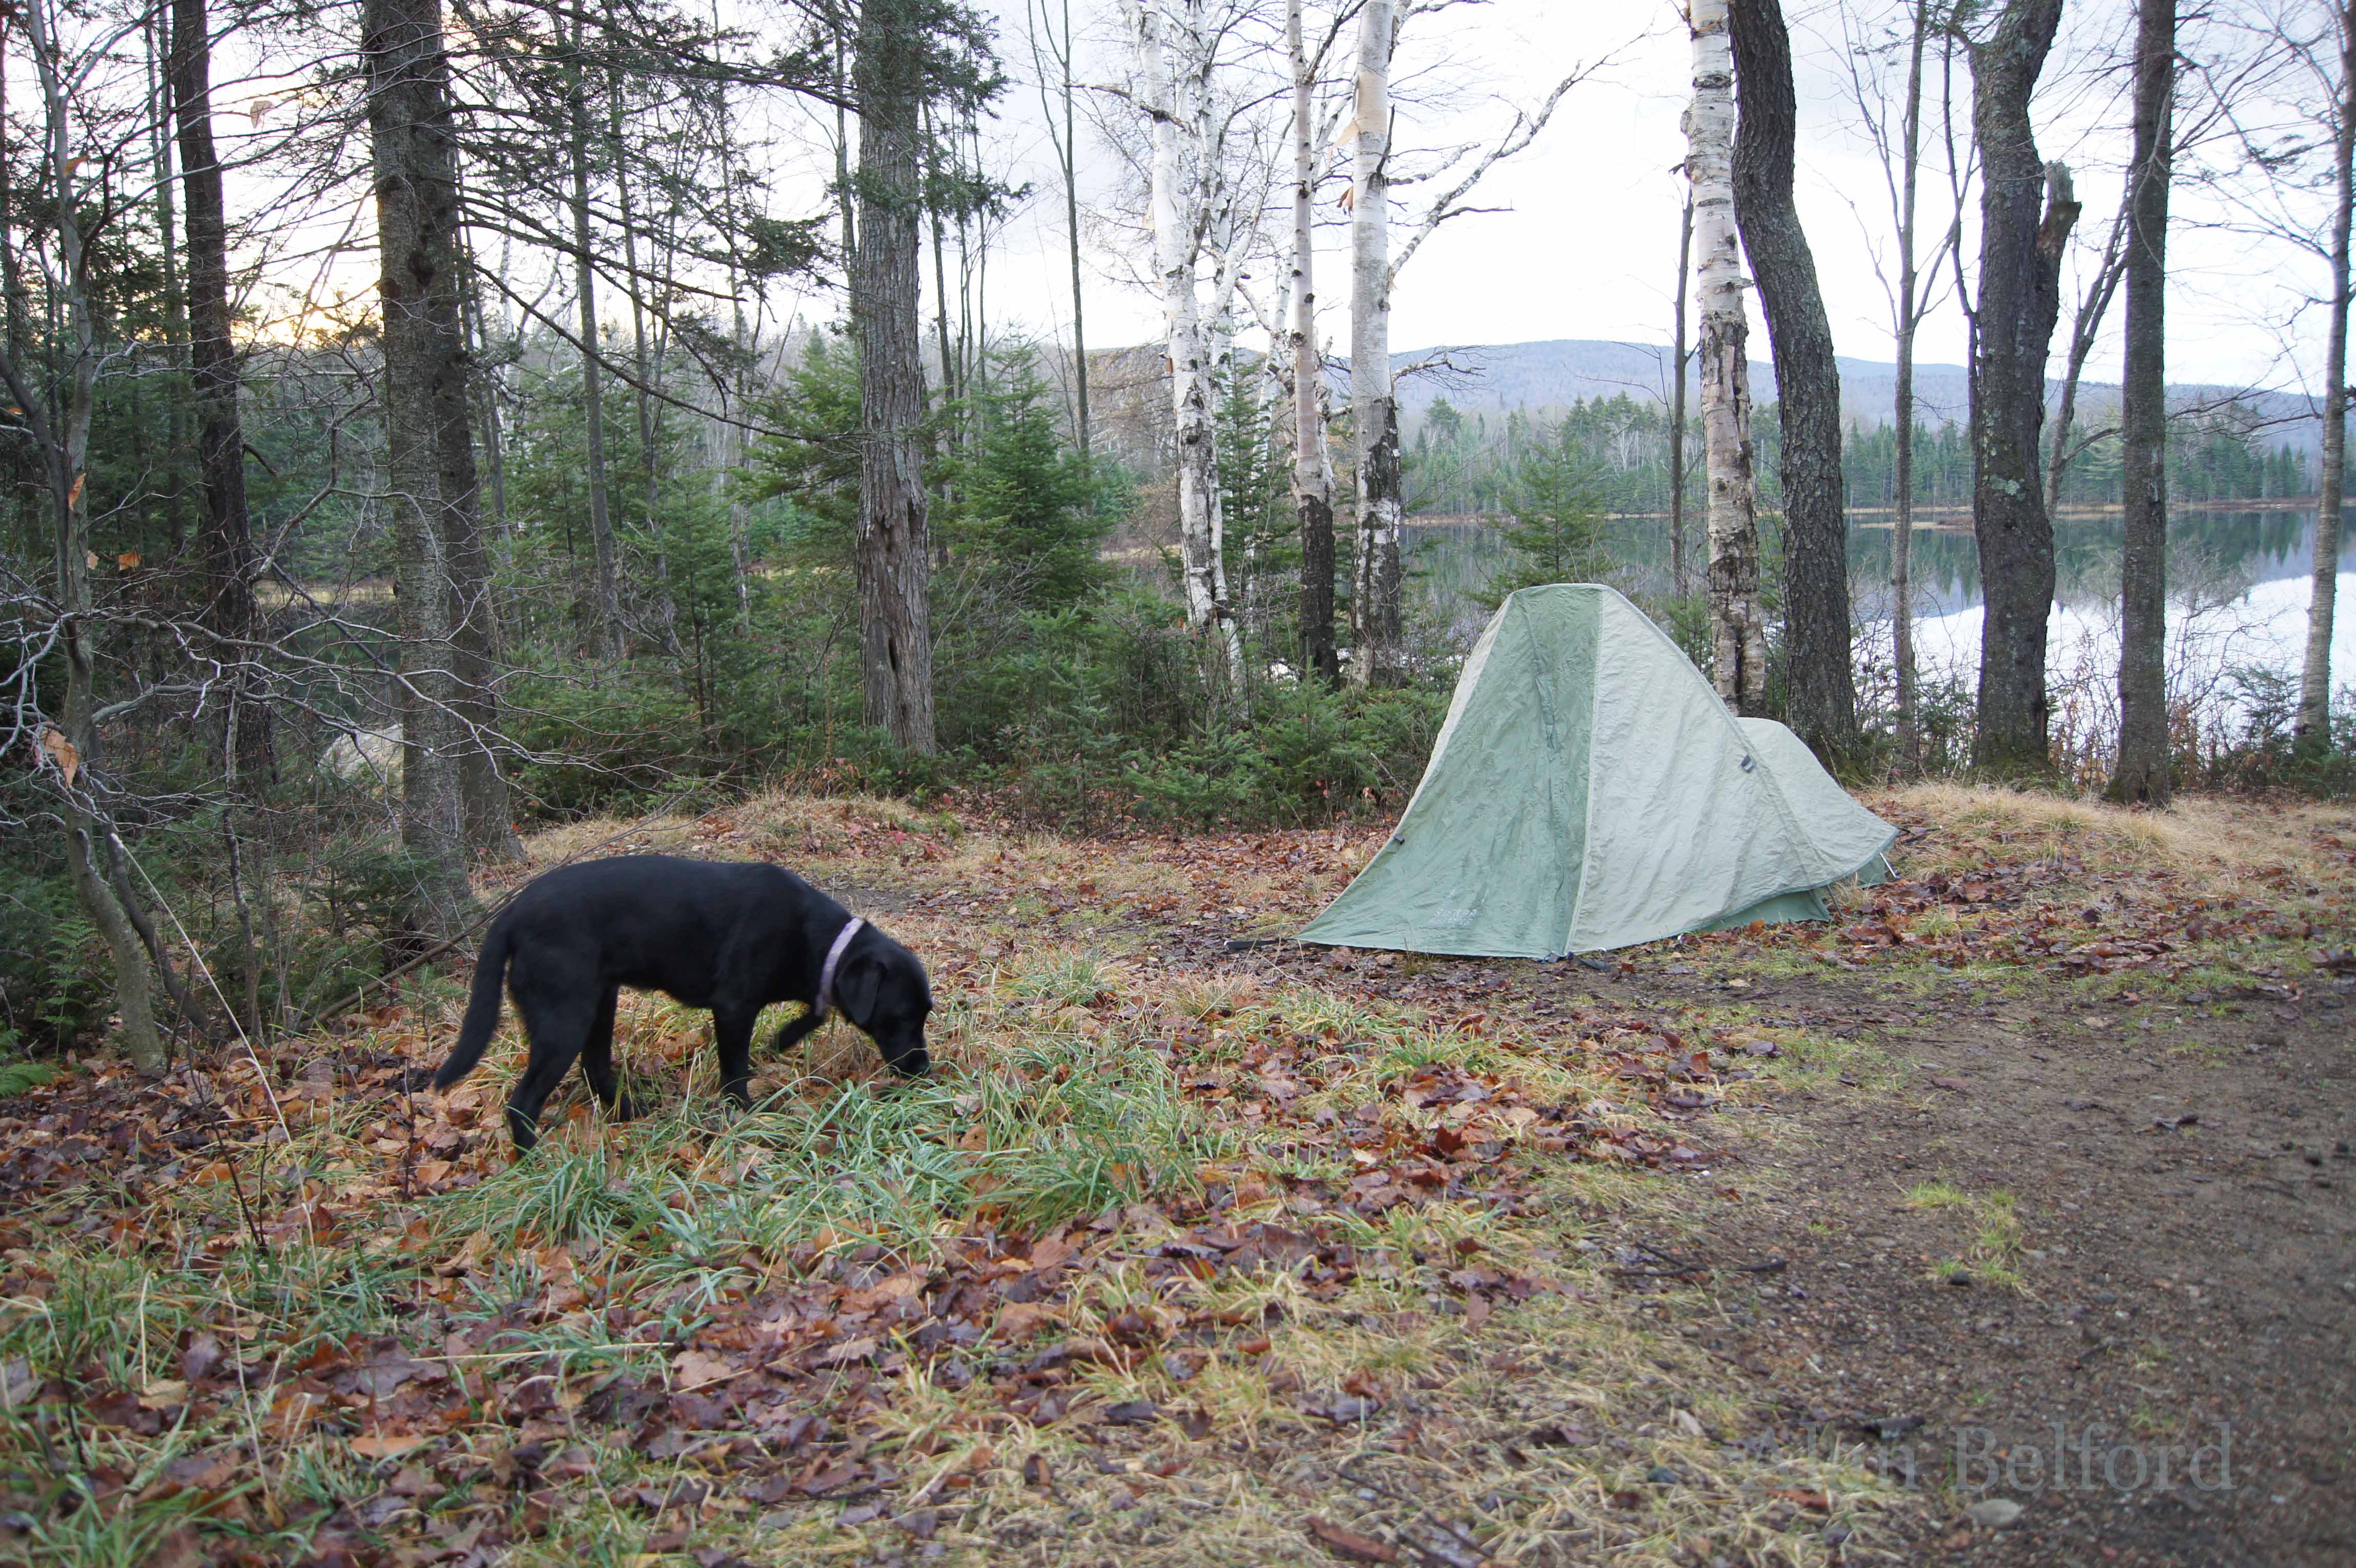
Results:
<point x="793" y="1032"/>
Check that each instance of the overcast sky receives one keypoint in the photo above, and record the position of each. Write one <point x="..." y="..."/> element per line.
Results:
<point x="1587" y="246"/>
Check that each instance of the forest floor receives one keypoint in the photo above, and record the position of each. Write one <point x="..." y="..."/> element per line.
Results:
<point x="2006" y="1221"/>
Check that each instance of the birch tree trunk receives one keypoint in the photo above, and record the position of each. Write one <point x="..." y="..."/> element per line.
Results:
<point x="605" y="615"/>
<point x="1820" y="689"/>
<point x="1174" y="116"/>
<point x="2141" y="776"/>
<point x="1312" y="493"/>
<point x="415" y="169"/>
<point x="2314" y="723"/>
<point x="1738" y="624"/>
<point x="2026" y="209"/>
<point x="893" y="559"/>
<point x="1908" y="317"/>
<point x="1378" y="585"/>
<point x="1677" y="406"/>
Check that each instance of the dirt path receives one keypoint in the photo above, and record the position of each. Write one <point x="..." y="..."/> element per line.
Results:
<point x="2096" y="1262"/>
<point x="2185" y="1319"/>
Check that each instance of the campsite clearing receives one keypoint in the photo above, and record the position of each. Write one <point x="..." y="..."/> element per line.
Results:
<point x="1199" y="1252"/>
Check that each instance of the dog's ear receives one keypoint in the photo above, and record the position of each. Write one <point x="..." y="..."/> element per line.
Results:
<point x="856" y="988"/>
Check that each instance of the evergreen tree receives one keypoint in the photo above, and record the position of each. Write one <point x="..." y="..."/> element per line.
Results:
<point x="1557" y="535"/>
<point x="1027" y="503"/>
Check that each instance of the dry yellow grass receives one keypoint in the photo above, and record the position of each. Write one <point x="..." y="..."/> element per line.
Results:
<point x="2218" y="844"/>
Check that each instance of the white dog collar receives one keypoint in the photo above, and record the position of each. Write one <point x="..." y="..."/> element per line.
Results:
<point x="826" y="975"/>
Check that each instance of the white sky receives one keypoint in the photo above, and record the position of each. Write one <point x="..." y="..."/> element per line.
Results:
<point x="1587" y="248"/>
<point x="1586" y="244"/>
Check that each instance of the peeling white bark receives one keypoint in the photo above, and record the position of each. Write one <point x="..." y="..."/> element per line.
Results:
<point x="1173" y="53"/>
<point x="1374" y="607"/>
<point x="1737" y="626"/>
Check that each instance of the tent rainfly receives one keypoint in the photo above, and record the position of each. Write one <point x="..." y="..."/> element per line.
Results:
<point x="1590" y="791"/>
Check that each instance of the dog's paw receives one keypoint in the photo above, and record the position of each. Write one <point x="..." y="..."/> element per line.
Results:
<point x="625" y="1108"/>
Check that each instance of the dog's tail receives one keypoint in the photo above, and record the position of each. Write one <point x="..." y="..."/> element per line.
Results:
<point x="482" y="1008"/>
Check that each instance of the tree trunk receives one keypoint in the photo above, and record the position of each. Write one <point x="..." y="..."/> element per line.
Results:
<point x="2141" y="777"/>
<point x="1908" y="317"/>
<point x="473" y="614"/>
<point x="940" y="278"/>
<point x="1677" y="573"/>
<point x="732" y="389"/>
<point x="846" y="197"/>
<point x="606" y="628"/>
<point x="1738" y="624"/>
<point x="1071" y="153"/>
<point x="2026" y="209"/>
<point x="1379" y="582"/>
<point x="648" y="367"/>
<point x="1820" y="691"/>
<point x="1312" y="496"/>
<point x="213" y="375"/>
<point x="2314" y="723"/>
<point x="2085" y="328"/>
<point x="176" y="305"/>
<point x="1178" y="230"/>
<point x="67" y="455"/>
<point x="414" y="167"/>
<point x="893" y="558"/>
<point x="486" y="398"/>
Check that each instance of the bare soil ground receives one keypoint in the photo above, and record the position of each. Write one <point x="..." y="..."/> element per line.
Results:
<point x="1789" y="1246"/>
<point x="2172" y="1380"/>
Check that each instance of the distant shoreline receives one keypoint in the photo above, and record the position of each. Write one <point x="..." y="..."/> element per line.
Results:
<point x="1936" y="518"/>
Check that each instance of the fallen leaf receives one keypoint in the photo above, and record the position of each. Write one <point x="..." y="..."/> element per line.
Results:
<point x="384" y="1445"/>
<point x="1349" y="1543"/>
<point x="845" y="1351"/>
<point x="469" y="1257"/>
<point x="699" y="1368"/>
<point x="164" y="1394"/>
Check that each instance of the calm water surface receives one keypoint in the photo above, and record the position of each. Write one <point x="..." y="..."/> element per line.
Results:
<point x="2238" y="586"/>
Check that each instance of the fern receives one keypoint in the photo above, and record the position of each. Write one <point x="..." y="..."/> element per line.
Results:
<point x="16" y="1078"/>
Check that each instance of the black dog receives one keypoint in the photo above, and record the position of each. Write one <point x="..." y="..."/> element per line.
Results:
<point x="731" y="936"/>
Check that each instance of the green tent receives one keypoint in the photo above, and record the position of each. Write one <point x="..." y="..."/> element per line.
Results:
<point x="1589" y="790"/>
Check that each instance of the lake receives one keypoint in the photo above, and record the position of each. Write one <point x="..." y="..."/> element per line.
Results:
<point x="2237" y="581"/>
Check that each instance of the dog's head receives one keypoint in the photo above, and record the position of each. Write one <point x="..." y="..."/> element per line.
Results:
<point x="882" y="989"/>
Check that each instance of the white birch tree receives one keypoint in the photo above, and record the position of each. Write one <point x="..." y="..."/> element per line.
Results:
<point x="1738" y="624"/>
<point x="1376" y="595"/>
<point x="1313" y="478"/>
<point x="1195" y="222"/>
<point x="1379" y="578"/>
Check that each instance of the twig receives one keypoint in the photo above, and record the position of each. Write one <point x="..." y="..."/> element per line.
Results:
<point x="237" y="1187"/>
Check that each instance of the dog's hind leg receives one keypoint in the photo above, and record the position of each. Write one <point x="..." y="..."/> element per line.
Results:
<point x="558" y="1023"/>
<point x="598" y="1063"/>
<point x="732" y="1032"/>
